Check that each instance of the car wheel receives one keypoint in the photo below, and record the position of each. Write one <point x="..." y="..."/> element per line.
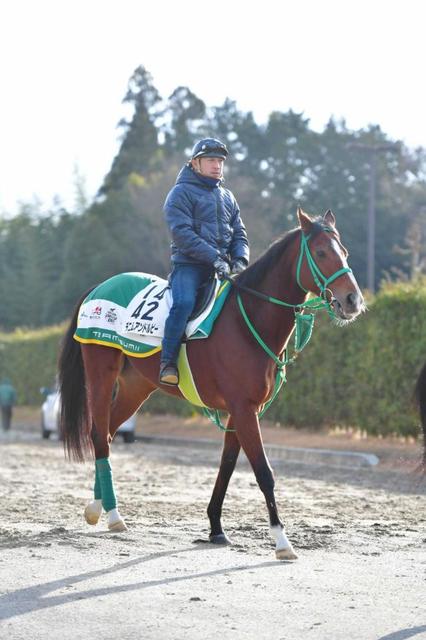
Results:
<point x="128" y="436"/>
<point x="44" y="432"/>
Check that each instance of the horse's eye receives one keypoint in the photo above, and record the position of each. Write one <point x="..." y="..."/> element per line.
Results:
<point x="320" y="253"/>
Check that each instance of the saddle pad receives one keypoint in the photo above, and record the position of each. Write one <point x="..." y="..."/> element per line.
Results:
<point x="128" y="312"/>
<point x="187" y="384"/>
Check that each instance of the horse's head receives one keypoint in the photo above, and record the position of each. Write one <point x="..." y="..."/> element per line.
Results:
<point x="323" y="269"/>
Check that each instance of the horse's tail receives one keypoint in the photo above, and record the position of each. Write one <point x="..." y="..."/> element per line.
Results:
<point x="74" y="424"/>
<point x="420" y="395"/>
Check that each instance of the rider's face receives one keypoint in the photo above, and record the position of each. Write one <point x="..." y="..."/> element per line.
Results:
<point x="210" y="167"/>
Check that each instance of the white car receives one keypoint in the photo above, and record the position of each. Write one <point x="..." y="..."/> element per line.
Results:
<point x="50" y="410"/>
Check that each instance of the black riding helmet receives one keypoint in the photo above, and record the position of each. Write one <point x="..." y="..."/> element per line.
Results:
<point x="209" y="148"/>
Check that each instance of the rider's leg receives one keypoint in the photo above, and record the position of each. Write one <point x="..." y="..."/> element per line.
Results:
<point x="185" y="280"/>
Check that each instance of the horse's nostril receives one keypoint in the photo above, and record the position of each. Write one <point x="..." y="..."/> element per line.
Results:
<point x="352" y="299"/>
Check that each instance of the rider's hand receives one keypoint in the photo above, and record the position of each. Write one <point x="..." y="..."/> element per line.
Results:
<point x="238" y="266"/>
<point x="222" y="268"/>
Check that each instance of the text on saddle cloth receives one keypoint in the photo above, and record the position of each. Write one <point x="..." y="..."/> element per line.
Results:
<point x="130" y="310"/>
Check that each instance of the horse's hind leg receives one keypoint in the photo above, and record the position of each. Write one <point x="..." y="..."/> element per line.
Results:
<point x="102" y="366"/>
<point x="248" y="432"/>
<point x="133" y="390"/>
<point x="231" y="449"/>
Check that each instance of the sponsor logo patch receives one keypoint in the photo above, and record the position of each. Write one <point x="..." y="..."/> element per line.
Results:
<point x="111" y="315"/>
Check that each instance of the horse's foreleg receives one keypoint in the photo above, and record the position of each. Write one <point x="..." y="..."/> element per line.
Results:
<point x="248" y="432"/>
<point x="231" y="449"/>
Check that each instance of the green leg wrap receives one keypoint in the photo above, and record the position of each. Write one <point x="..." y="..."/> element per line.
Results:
<point x="103" y="468"/>
<point x="97" y="488"/>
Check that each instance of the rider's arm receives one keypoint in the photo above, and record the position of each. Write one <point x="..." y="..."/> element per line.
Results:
<point x="239" y="249"/>
<point x="178" y="210"/>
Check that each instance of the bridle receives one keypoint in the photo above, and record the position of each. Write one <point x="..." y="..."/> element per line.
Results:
<point x="321" y="281"/>
<point x="304" y="321"/>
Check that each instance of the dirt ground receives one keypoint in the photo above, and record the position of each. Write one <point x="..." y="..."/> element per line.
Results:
<point x="360" y="535"/>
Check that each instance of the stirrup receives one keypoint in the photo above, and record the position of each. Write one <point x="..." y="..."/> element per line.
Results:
<point x="169" y="374"/>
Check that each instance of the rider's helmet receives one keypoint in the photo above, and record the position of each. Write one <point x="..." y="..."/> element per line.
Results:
<point x="209" y="148"/>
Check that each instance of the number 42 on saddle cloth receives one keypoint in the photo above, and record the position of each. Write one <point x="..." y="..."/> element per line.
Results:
<point x="128" y="312"/>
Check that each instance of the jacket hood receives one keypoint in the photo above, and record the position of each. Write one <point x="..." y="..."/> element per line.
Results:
<point x="188" y="175"/>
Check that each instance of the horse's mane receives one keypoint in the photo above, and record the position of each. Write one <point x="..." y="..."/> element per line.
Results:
<point x="256" y="272"/>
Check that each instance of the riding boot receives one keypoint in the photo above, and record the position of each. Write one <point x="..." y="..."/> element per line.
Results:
<point x="169" y="374"/>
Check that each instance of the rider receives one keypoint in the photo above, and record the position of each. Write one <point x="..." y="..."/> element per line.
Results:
<point x="208" y="235"/>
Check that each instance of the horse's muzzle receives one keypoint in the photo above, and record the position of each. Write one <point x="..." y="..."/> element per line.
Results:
<point x="348" y="307"/>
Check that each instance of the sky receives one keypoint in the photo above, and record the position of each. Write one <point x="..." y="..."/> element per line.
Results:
<point x="64" y="69"/>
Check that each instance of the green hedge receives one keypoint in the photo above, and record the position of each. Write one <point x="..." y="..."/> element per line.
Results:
<point x="360" y="375"/>
<point x="29" y="358"/>
<point x="363" y="374"/>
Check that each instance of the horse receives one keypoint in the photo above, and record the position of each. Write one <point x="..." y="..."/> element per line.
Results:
<point x="232" y="371"/>
<point x="420" y="398"/>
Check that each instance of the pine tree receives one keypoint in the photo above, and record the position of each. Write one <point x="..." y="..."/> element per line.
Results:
<point x="140" y="150"/>
<point x="182" y="117"/>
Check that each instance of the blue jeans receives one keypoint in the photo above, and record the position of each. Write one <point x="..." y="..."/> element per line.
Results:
<point x="185" y="280"/>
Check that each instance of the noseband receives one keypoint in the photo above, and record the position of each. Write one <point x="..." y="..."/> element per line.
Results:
<point x="319" y="278"/>
<point x="313" y="304"/>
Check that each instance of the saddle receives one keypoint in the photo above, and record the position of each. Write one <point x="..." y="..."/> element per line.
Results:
<point x="129" y="310"/>
<point x="204" y="296"/>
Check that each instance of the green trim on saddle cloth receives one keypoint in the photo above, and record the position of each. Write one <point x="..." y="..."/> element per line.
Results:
<point x="205" y="328"/>
<point x="112" y="339"/>
<point x="120" y="290"/>
<point x="186" y="381"/>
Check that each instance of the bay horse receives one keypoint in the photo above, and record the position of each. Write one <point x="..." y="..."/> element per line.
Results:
<point x="232" y="371"/>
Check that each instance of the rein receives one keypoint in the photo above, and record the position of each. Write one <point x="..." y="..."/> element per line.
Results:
<point x="304" y="321"/>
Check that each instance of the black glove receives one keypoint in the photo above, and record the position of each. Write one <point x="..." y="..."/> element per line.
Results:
<point x="221" y="267"/>
<point x="238" y="266"/>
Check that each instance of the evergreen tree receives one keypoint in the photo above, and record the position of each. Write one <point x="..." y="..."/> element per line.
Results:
<point x="183" y="115"/>
<point x="140" y="150"/>
<point x="48" y="259"/>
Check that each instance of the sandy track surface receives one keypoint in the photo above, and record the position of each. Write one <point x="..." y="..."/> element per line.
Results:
<point x="360" y="535"/>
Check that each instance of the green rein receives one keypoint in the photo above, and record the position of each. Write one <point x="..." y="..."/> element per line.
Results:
<point x="304" y="321"/>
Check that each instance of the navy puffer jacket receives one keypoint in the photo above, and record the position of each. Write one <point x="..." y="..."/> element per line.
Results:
<point x="204" y="221"/>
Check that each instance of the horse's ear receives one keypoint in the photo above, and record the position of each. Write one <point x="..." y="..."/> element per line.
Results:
<point x="329" y="218"/>
<point x="304" y="220"/>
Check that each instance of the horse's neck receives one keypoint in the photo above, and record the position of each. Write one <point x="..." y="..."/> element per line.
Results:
<point x="275" y="322"/>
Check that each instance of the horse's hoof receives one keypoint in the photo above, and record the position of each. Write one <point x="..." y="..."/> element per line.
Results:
<point x="92" y="512"/>
<point x="117" y="526"/>
<point x="286" y="554"/>
<point x="220" y="538"/>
